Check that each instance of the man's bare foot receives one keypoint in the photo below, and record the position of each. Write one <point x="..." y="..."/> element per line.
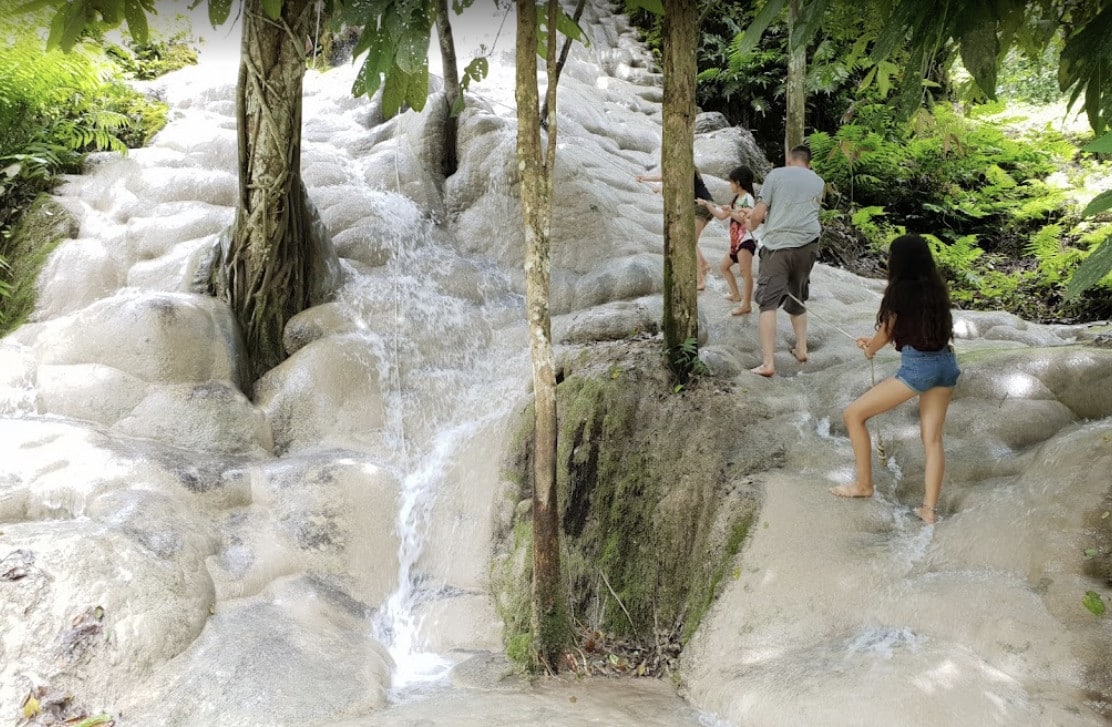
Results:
<point x="853" y="489"/>
<point x="800" y="357"/>
<point x="764" y="371"/>
<point x="927" y="514"/>
<point x="741" y="310"/>
<point x="732" y="298"/>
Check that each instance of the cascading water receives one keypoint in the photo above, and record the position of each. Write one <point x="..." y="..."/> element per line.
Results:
<point x="451" y="359"/>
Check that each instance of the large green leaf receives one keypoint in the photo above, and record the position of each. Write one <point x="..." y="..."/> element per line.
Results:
<point x="136" y="20"/>
<point x="1098" y="204"/>
<point x="1103" y="145"/>
<point x="1091" y="271"/>
<point x="978" y="52"/>
<point x="73" y="25"/>
<point x="413" y="49"/>
<point x="756" y="29"/>
<point x="653" y="6"/>
<point x="218" y="11"/>
<point x="417" y="91"/>
<point x="272" y="9"/>
<point x="394" y="92"/>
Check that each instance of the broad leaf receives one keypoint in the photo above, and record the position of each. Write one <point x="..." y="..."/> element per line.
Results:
<point x="417" y="91"/>
<point x="218" y="11"/>
<point x="653" y="6"/>
<point x="756" y="29"/>
<point x="1103" y="145"/>
<point x="413" y="49"/>
<point x="74" y="25"/>
<point x="394" y="92"/>
<point x="272" y="9"/>
<point x="1091" y="271"/>
<point x="978" y="53"/>
<point x="1098" y="204"/>
<point x="136" y="20"/>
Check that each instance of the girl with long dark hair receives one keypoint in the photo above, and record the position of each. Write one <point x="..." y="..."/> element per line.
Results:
<point x="743" y="243"/>
<point x="915" y="315"/>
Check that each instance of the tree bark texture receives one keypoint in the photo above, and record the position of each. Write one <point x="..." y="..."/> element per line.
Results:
<point x="451" y="86"/>
<point x="681" y="320"/>
<point x="267" y="268"/>
<point x="549" y="614"/>
<point x="796" y="93"/>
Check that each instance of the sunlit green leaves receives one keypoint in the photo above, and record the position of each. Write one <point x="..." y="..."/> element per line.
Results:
<point x="136" y="20"/>
<point x="475" y="71"/>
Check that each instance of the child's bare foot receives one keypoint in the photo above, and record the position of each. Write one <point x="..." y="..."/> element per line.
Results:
<point x="927" y="514"/>
<point x="732" y="298"/>
<point x="798" y="356"/>
<point x="764" y="371"/>
<point x="853" y="489"/>
<point x="741" y="310"/>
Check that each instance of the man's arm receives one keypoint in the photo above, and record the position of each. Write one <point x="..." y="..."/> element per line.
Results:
<point x="757" y="215"/>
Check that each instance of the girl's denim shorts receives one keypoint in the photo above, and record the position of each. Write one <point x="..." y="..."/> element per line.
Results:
<point x="924" y="370"/>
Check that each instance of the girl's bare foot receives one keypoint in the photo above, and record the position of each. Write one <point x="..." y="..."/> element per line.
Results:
<point x="853" y="489"/>
<point x="732" y="298"/>
<point x="927" y="514"/>
<point x="800" y="357"/>
<point x="741" y="310"/>
<point x="764" y="371"/>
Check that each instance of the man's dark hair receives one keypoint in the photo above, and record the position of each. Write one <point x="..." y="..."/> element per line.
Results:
<point x="801" y="153"/>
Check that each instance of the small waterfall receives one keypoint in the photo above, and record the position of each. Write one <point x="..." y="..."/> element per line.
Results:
<point x="447" y="337"/>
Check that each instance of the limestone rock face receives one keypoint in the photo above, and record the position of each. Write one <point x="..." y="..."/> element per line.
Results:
<point x="173" y="552"/>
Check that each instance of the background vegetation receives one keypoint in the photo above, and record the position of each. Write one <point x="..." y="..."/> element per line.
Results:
<point x="56" y="107"/>
<point x="999" y="199"/>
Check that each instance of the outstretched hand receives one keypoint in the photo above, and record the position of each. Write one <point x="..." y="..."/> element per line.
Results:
<point x="863" y="344"/>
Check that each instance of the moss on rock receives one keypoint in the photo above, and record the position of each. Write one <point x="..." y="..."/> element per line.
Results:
<point x="42" y="227"/>
<point x="656" y="497"/>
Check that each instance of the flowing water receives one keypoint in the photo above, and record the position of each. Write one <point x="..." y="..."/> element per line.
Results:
<point x="400" y="400"/>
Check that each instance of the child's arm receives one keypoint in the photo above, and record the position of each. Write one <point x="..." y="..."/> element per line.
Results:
<point x="720" y="211"/>
<point x="879" y="340"/>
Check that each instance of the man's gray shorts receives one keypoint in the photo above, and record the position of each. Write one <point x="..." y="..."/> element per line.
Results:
<point x="784" y="271"/>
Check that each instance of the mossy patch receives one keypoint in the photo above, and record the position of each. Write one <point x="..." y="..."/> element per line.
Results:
<point x="656" y="494"/>
<point x="42" y="227"/>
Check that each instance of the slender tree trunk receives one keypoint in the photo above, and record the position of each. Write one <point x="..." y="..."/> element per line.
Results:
<point x="563" y="59"/>
<point x="550" y="625"/>
<point x="451" y="86"/>
<point x="681" y="320"/>
<point x="267" y="267"/>
<point x="797" y="71"/>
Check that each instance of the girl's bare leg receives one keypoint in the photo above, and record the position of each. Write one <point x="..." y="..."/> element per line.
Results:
<point x="703" y="266"/>
<point x="933" y="405"/>
<point x="886" y="395"/>
<point x="731" y="281"/>
<point x="745" y="262"/>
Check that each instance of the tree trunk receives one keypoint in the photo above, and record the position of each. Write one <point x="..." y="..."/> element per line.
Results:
<point x="550" y="624"/>
<point x="451" y="86"/>
<point x="796" y="98"/>
<point x="267" y="267"/>
<point x="681" y="321"/>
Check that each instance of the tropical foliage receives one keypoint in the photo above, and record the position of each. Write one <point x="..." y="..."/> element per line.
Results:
<point x="54" y="108"/>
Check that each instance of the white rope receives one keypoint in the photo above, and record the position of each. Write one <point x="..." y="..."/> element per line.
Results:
<point x="872" y="375"/>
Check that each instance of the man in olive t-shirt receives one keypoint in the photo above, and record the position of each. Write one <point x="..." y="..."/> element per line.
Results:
<point x="788" y="206"/>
